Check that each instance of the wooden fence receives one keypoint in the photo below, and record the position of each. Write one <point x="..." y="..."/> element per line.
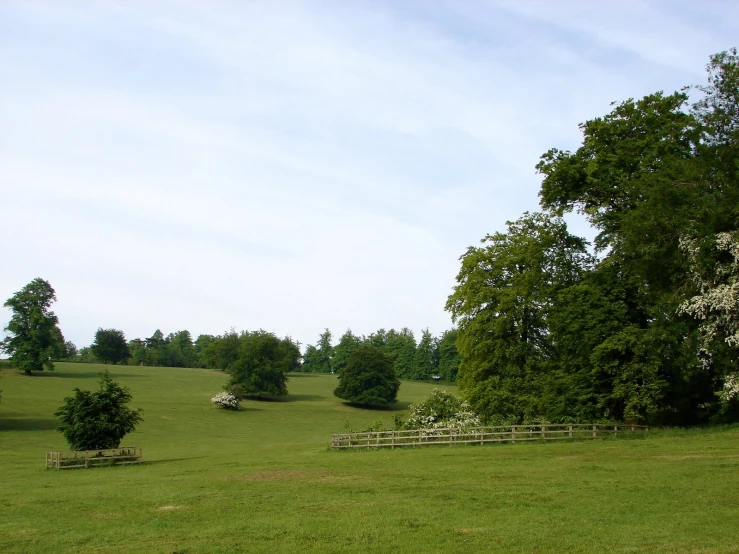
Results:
<point x="479" y="435"/>
<point x="70" y="459"/>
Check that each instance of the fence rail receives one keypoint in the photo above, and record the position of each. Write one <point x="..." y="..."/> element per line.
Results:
<point x="479" y="435"/>
<point x="71" y="459"/>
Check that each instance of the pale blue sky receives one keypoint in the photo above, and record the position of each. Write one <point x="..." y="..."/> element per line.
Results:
<point x="298" y="165"/>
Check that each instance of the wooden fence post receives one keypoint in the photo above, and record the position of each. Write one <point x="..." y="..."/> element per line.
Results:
<point x="513" y="434"/>
<point x="595" y="431"/>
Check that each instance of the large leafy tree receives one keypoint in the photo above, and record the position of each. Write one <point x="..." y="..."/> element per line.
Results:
<point x="34" y="338"/>
<point x="401" y="347"/>
<point x="348" y="343"/>
<point x="425" y="357"/>
<point x="505" y="291"/>
<point x="636" y="334"/>
<point x="449" y="358"/>
<point x="369" y="378"/>
<point x="262" y="364"/>
<point x="317" y="358"/>
<point x="110" y="346"/>
<point x="100" y="419"/>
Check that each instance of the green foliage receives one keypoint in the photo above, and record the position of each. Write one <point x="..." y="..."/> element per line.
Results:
<point x="369" y="378"/>
<point x="317" y="358"/>
<point x="424" y="359"/>
<point x="441" y="410"/>
<point x="34" y="338"/>
<point x="100" y="419"/>
<point x="110" y="346"/>
<point x="401" y="347"/>
<point x="501" y="303"/>
<point x="86" y="356"/>
<point x="221" y="352"/>
<point x="348" y="343"/>
<point x="70" y="351"/>
<point x="449" y="358"/>
<point x="546" y="331"/>
<point x="261" y="367"/>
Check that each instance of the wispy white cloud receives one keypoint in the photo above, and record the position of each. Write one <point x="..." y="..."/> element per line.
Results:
<point x="297" y="165"/>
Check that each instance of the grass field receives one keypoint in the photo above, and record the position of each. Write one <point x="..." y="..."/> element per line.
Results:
<point x="264" y="480"/>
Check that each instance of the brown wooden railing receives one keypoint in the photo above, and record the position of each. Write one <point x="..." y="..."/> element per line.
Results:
<point x="479" y="435"/>
<point x="70" y="459"/>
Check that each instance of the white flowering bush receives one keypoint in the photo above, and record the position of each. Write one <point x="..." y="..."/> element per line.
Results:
<point x="731" y="388"/>
<point x="717" y="304"/>
<point x="226" y="400"/>
<point x="441" y="410"/>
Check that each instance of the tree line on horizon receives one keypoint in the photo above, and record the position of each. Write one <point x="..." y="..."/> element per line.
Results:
<point x="431" y="356"/>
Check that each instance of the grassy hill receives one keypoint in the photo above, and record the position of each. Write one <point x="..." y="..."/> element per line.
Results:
<point x="264" y="480"/>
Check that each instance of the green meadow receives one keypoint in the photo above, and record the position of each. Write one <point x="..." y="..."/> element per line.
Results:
<point x="264" y="480"/>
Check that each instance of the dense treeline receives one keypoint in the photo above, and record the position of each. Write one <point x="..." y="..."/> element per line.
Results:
<point x="422" y="360"/>
<point x="643" y="327"/>
<point x="429" y="357"/>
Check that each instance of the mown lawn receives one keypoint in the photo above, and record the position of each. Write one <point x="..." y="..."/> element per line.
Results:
<point x="264" y="480"/>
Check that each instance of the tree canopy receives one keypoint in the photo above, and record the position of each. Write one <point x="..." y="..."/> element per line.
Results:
<point x="550" y="330"/>
<point x="34" y="338"/>
<point x="100" y="419"/>
<point x="110" y="346"/>
<point x="262" y="364"/>
<point x="369" y="378"/>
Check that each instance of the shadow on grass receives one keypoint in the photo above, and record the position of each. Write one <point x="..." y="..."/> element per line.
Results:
<point x="82" y="374"/>
<point x="287" y="398"/>
<point x="171" y="460"/>
<point x="397" y="407"/>
<point x="28" y="424"/>
<point x="299" y="398"/>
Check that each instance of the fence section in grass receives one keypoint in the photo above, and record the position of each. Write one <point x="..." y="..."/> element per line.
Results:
<point x="479" y="435"/>
<point x="70" y="459"/>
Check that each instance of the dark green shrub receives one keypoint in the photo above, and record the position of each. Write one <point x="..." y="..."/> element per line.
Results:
<point x="100" y="419"/>
<point x="368" y="378"/>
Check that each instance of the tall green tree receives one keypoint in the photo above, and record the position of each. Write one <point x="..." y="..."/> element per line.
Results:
<point x="348" y="343"/>
<point x="221" y="352"/>
<point x="369" y="378"/>
<point x="425" y="356"/>
<point x="401" y="347"/>
<point x="501" y="302"/>
<point x="317" y="358"/>
<point x="34" y="338"/>
<point x="449" y="358"/>
<point x="110" y="346"/>
<point x="261" y="368"/>
<point x="100" y="419"/>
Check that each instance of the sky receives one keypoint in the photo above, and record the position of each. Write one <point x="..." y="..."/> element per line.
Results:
<point x="295" y="166"/>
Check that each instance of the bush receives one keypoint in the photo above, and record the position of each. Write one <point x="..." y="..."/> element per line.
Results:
<point x="226" y="400"/>
<point x="368" y="378"/>
<point x="442" y="410"/>
<point x="261" y="367"/>
<point x="98" y="420"/>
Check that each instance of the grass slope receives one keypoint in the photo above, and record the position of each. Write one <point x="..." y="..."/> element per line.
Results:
<point x="263" y="480"/>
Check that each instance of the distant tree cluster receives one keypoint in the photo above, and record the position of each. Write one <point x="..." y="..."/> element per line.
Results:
<point x="644" y="326"/>
<point x="420" y="360"/>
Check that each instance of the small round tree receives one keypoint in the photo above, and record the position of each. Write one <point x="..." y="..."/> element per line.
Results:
<point x="98" y="420"/>
<point x="368" y="378"/>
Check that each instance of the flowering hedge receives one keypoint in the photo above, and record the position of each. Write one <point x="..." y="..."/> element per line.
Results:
<point x="442" y="410"/>
<point x="731" y="388"/>
<point x="226" y="400"/>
